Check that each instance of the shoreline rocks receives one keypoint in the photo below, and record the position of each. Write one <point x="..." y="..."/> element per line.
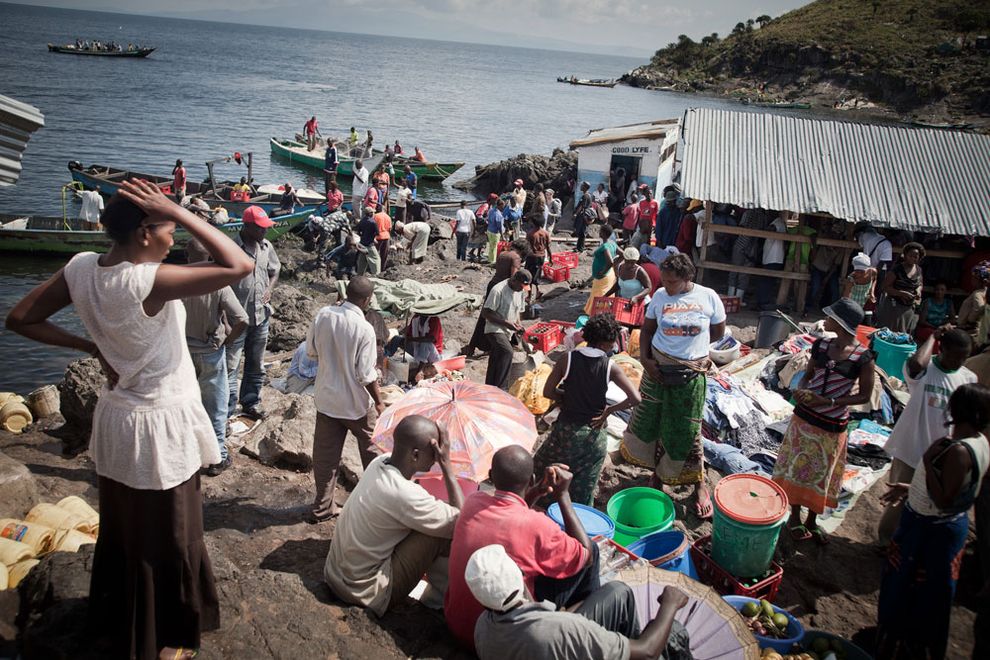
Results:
<point x="557" y="171"/>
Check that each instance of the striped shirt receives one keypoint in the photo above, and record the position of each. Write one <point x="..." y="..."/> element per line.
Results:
<point x="832" y="379"/>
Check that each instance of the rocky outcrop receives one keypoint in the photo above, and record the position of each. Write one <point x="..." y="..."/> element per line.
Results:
<point x="79" y="392"/>
<point x="53" y="608"/>
<point x="293" y="313"/>
<point x="557" y="171"/>
<point x="18" y="489"/>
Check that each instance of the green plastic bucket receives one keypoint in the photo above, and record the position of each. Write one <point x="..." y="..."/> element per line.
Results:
<point x="749" y="513"/>
<point x="891" y="357"/>
<point x="637" y="512"/>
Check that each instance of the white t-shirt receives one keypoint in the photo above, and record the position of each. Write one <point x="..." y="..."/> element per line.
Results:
<point x="465" y="221"/>
<point x="360" y="184"/>
<point x="683" y="321"/>
<point x="773" y="251"/>
<point x="876" y="247"/>
<point x="92" y="205"/>
<point x="923" y="419"/>
<point x="379" y="514"/>
<point x="404" y="195"/>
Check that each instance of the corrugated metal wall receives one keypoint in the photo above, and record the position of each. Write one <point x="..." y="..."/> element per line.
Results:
<point x="17" y="122"/>
<point x="910" y="178"/>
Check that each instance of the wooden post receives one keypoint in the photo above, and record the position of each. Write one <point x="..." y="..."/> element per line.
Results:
<point x="802" y="286"/>
<point x="784" y="286"/>
<point x="705" y="231"/>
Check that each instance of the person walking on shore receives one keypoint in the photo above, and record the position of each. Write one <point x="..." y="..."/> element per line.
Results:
<point x="152" y="585"/>
<point x="554" y="206"/>
<point x="584" y="214"/>
<point x="213" y="321"/>
<point x="254" y="292"/>
<point x="496" y="227"/>
<point x="506" y="265"/>
<point x="330" y="162"/>
<point x="465" y="226"/>
<point x="359" y="187"/>
<point x="179" y="181"/>
<point x="347" y="395"/>
<point x="502" y="311"/>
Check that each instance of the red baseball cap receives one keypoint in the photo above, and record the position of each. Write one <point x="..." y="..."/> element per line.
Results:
<point x="255" y="215"/>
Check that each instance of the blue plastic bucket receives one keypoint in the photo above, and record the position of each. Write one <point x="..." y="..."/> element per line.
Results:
<point x="595" y="522"/>
<point x="794" y="632"/>
<point x="667" y="550"/>
<point x="891" y="357"/>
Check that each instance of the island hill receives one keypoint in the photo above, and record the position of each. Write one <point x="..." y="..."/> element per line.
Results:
<point x="924" y="60"/>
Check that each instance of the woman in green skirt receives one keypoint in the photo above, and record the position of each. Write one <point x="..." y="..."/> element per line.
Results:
<point x="683" y="318"/>
<point x="579" y="383"/>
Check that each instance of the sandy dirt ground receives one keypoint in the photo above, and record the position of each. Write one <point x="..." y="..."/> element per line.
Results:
<point x="269" y="564"/>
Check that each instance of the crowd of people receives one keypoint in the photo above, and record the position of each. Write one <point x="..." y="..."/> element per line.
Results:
<point x="183" y="345"/>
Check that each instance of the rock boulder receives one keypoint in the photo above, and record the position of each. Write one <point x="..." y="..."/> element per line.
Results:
<point x="293" y="313"/>
<point x="79" y="392"/>
<point x="285" y="438"/>
<point x="18" y="489"/>
<point x="559" y="171"/>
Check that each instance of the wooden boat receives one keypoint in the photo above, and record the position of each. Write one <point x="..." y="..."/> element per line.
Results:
<point x="297" y="152"/>
<point x="70" y="49"/>
<point x="598" y="82"/>
<point x="107" y="181"/>
<point x="782" y="105"/>
<point x="52" y="235"/>
<point x="943" y="127"/>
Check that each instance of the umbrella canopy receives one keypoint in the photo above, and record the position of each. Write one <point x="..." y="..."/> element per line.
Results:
<point x="715" y="627"/>
<point x="480" y="420"/>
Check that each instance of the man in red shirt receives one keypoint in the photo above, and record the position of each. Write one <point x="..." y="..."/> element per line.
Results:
<point x="310" y="130"/>
<point x="558" y="565"/>
<point x="648" y="207"/>
<point x="630" y="218"/>
<point x="384" y="223"/>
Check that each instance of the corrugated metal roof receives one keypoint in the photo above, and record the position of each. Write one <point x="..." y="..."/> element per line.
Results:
<point x="17" y="122"/>
<point x="653" y="130"/>
<point x="908" y="178"/>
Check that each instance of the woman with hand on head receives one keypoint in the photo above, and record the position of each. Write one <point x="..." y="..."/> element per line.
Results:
<point x="152" y="586"/>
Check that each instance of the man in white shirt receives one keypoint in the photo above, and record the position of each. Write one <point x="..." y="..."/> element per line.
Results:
<point x="403" y="198"/>
<point x="359" y="187"/>
<point x="92" y="207"/>
<point x="502" y="311"/>
<point x="465" y="225"/>
<point x="391" y="531"/>
<point x="346" y="389"/>
<point x="773" y="259"/>
<point x="876" y="246"/>
<point x="931" y="381"/>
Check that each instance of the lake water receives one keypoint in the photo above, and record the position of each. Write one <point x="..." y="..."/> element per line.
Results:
<point x="211" y="89"/>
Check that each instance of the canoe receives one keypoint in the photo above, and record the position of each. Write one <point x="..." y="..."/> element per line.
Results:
<point x="107" y="181"/>
<point x="944" y="127"/>
<point x="784" y="105"/>
<point x="589" y="83"/>
<point x="72" y="50"/>
<point x="297" y="152"/>
<point x="29" y="234"/>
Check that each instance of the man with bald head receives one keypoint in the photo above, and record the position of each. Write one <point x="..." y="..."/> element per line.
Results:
<point x="346" y="389"/>
<point x="391" y="531"/>
<point x="559" y="565"/>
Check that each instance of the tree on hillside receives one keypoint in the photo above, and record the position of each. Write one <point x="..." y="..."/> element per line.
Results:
<point x="739" y="29"/>
<point x="763" y="20"/>
<point x="710" y="40"/>
<point x="749" y="25"/>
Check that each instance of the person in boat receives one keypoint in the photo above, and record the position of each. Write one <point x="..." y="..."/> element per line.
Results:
<point x="418" y="155"/>
<point x="179" y="181"/>
<point x="243" y="187"/>
<point x="289" y="201"/>
<point x="334" y="196"/>
<point x="398" y="148"/>
<point x="311" y="129"/>
<point x="330" y="162"/>
<point x="368" y="144"/>
<point x="411" y="180"/>
<point x="389" y="153"/>
<point x="352" y="141"/>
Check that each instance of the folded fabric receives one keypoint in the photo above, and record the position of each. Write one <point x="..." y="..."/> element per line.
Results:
<point x="416" y="297"/>
<point x="729" y="460"/>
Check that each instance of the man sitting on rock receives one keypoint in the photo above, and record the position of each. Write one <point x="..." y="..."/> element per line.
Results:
<point x="603" y="626"/>
<point x="391" y="531"/>
<point x="559" y="565"/>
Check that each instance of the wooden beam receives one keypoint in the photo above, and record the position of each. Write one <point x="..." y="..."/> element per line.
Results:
<point x="833" y="242"/>
<point x="781" y="274"/>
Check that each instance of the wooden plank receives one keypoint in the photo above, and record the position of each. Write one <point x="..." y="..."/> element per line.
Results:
<point x="709" y="206"/>
<point x="833" y="242"/>
<point x="714" y="265"/>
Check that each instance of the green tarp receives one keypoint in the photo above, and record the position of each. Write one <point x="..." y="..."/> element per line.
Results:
<point x="405" y="296"/>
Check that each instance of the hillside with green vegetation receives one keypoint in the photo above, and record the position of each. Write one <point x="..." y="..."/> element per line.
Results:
<point x="928" y="59"/>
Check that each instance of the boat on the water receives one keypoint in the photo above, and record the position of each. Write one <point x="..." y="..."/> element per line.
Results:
<point x="596" y="82"/>
<point x="107" y="180"/>
<point x="942" y="127"/>
<point x="782" y="105"/>
<point x="296" y="152"/>
<point x="72" y="49"/>
<point x="32" y="234"/>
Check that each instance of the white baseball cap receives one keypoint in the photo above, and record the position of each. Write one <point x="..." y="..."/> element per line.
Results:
<point x="494" y="579"/>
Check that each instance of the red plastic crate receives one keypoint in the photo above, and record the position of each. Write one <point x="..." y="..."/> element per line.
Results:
<point x="732" y="304"/>
<point x="544" y="336"/>
<point x="556" y="272"/>
<point x="623" y="311"/>
<point x="710" y="573"/>
<point x="569" y="259"/>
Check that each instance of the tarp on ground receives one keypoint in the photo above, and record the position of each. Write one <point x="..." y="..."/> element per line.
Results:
<point x="405" y="296"/>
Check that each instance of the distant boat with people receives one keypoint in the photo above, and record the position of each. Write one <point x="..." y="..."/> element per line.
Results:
<point x="101" y="50"/>
<point x="296" y="152"/>
<point x="596" y="82"/>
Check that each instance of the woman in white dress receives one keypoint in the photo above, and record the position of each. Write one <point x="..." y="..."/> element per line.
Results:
<point x="152" y="586"/>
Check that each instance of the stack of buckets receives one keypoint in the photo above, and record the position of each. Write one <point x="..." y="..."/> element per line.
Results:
<point x="750" y="511"/>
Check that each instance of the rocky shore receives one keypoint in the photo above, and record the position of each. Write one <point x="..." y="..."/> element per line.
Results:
<point x="269" y="564"/>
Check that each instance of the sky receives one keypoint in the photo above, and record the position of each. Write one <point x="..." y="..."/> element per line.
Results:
<point x="619" y="27"/>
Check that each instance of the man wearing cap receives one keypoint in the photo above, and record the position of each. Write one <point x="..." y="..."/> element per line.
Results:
<point x="254" y="293"/>
<point x="502" y="311"/>
<point x="605" y="625"/>
<point x="560" y="565"/>
<point x="391" y="531"/>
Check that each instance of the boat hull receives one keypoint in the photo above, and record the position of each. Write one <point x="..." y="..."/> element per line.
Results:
<point x="297" y="153"/>
<point x="49" y="235"/>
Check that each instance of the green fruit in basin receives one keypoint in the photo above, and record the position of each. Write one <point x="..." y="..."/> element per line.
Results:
<point x="750" y="609"/>
<point x="781" y="621"/>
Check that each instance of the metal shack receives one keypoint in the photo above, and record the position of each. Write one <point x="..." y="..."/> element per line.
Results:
<point x="644" y="152"/>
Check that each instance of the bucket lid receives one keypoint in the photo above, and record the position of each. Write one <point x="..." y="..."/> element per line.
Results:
<point x="595" y="522"/>
<point x="751" y="499"/>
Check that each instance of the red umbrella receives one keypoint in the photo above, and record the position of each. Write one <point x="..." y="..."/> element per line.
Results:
<point x="480" y="420"/>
